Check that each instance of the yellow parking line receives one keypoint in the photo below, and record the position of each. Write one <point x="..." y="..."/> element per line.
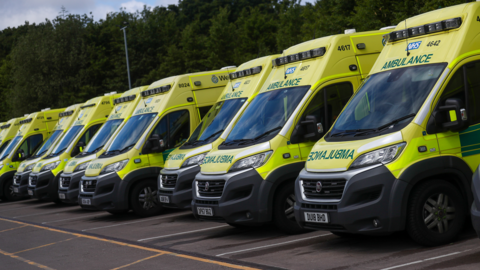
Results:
<point x="13" y="228"/>
<point x="11" y="255"/>
<point x="148" y="258"/>
<point x="44" y="245"/>
<point x="134" y="246"/>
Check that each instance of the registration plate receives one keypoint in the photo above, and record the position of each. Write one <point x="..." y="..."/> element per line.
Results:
<point x="86" y="202"/>
<point x="205" y="211"/>
<point x="30" y="192"/>
<point x="15" y="189"/>
<point x="61" y="196"/>
<point x="164" y="199"/>
<point x="316" y="217"/>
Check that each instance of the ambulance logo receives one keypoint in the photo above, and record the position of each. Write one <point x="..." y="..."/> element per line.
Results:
<point x="413" y="46"/>
<point x="214" y="79"/>
<point x="207" y="186"/>
<point x="319" y="187"/>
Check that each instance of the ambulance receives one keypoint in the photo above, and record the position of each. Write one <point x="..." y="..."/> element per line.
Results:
<point x="125" y="176"/>
<point x="66" y="119"/>
<point x="44" y="178"/>
<point x="7" y="133"/>
<point x="249" y="178"/>
<point x="402" y="153"/>
<point x="181" y="166"/>
<point x="68" y="187"/>
<point x="34" y="129"/>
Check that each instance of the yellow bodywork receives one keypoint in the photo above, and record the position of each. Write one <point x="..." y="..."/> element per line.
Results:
<point x="8" y="130"/>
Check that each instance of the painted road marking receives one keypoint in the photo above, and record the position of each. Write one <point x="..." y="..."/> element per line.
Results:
<point x="1" y="204"/>
<point x="130" y="245"/>
<point x="11" y="255"/>
<point x="44" y="245"/>
<point x="73" y="218"/>
<point x="44" y="213"/>
<point x="31" y="206"/>
<point x="13" y="228"/>
<point x="272" y="245"/>
<point x="135" y="262"/>
<point x="168" y="235"/>
<point x="424" y="260"/>
<point x="120" y="224"/>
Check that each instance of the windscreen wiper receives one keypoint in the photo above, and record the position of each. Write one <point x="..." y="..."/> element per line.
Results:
<point x="125" y="148"/>
<point x="208" y="138"/>
<point x="348" y="132"/>
<point x="267" y="132"/>
<point x="396" y="121"/>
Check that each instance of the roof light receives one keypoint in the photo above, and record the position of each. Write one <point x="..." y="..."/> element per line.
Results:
<point x="158" y="90"/>
<point x="388" y="27"/>
<point x="350" y="31"/>
<point x="67" y="113"/>
<point x="88" y="105"/>
<point x="25" y="115"/>
<point x="424" y="29"/>
<point x="228" y="67"/>
<point x="5" y="126"/>
<point x="245" y="72"/>
<point x="26" y="121"/>
<point x="46" y="109"/>
<point x="124" y="99"/>
<point x="298" y="56"/>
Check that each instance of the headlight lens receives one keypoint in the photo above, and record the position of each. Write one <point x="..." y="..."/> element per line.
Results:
<point x="254" y="161"/>
<point x="50" y="166"/>
<point x="29" y="167"/>
<point x="1" y="166"/>
<point x="115" y="167"/>
<point x="383" y="155"/>
<point x="81" y="167"/>
<point x="195" y="160"/>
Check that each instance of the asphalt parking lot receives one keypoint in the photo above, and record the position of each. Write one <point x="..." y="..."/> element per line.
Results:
<point x="43" y="235"/>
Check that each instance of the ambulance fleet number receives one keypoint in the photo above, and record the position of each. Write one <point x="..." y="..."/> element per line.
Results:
<point x="344" y="48"/>
<point x="433" y="43"/>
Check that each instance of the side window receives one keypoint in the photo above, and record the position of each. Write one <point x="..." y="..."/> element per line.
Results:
<point x="455" y="88"/>
<point x="161" y="129"/>
<point x="317" y="108"/>
<point x="473" y="83"/>
<point x="87" y="136"/>
<point x="174" y="128"/>
<point x="203" y="111"/>
<point x="30" y="145"/>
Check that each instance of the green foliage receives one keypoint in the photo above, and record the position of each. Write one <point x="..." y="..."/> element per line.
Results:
<point x="73" y="58"/>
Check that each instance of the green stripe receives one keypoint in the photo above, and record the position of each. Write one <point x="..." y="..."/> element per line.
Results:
<point x="470" y="141"/>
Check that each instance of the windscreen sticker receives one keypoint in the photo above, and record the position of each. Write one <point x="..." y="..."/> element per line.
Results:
<point x="334" y="154"/>
<point x="419" y="59"/>
<point x="148" y="100"/>
<point x="218" y="159"/>
<point x="285" y="83"/>
<point x="413" y="46"/>
<point x="237" y="85"/>
<point x="290" y="70"/>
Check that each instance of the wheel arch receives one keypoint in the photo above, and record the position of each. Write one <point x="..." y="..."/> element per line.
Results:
<point x="138" y="176"/>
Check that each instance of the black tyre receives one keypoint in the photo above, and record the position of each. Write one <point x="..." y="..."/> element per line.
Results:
<point x="118" y="212"/>
<point x="436" y="213"/>
<point x="143" y="199"/>
<point x="283" y="215"/>
<point x="8" y="194"/>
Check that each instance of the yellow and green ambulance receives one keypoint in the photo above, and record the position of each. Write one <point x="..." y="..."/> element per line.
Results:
<point x="402" y="153"/>
<point x="68" y="187"/>
<point x="181" y="166"/>
<point x="8" y="130"/>
<point x="65" y="121"/>
<point x="34" y="129"/>
<point x="249" y="178"/>
<point x="44" y="178"/>
<point x="125" y="176"/>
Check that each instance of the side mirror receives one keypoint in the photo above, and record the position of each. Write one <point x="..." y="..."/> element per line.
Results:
<point x="309" y="129"/>
<point x="452" y="116"/>
<point x="154" y="145"/>
<point x="78" y="148"/>
<point x="19" y="155"/>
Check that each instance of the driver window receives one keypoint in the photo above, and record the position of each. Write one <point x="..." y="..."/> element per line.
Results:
<point x="89" y="134"/>
<point x="174" y="128"/>
<point x="30" y="145"/>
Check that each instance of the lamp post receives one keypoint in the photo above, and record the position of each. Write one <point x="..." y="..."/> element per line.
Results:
<point x="126" y="52"/>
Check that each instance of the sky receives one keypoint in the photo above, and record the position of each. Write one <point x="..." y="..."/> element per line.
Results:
<point x="16" y="12"/>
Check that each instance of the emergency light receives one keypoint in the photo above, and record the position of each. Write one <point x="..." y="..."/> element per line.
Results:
<point x="88" y="105"/>
<point x="124" y="99"/>
<point x="245" y="72"/>
<point x="298" y="56"/>
<point x="158" y="90"/>
<point x="26" y="121"/>
<point x="67" y="113"/>
<point x="424" y="29"/>
<point x="5" y="126"/>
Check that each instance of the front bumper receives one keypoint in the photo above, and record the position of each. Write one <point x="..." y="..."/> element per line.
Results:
<point x="108" y="193"/>
<point x="46" y="186"/>
<point x="180" y="195"/>
<point x="241" y="201"/>
<point x="20" y="183"/>
<point x="368" y="205"/>
<point x="475" y="210"/>
<point x="68" y="186"/>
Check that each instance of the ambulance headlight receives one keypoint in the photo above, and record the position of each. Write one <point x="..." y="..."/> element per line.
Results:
<point x="254" y="161"/>
<point x="50" y="166"/>
<point x="195" y="160"/>
<point x="115" y="167"/>
<point x="383" y="155"/>
<point x="81" y="167"/>
<point x="29" y="167"/>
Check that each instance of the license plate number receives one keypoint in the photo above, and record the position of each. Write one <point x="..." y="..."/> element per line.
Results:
<point x="164" y="199"/>
<point x="61" y="196"/>
<point x="316" y="217"/>
<point x="15" y="189"/>
<point x="86" y="202"/>
<point x="205" y="211"/>
<point x="30" y="192"/>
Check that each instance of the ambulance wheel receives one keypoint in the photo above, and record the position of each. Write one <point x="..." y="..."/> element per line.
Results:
<point x="436" y="213"/>
<point x="143" y="199"/>
<point x="8" y="194"/>
<point x="118" y="212"/>
<point x="283" y="215"/>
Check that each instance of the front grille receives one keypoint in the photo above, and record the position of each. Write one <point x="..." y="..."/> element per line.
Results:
<point x="168" y="180"/>
<point x="32" y="180"/>
<point x="327" y="189"/>
<point x="88" y="185"/>
<point x="65" y="182"/>
<point x="319" y="206"/>
<point x="206" y="202"/>
<point x="17" y="179"/>
<point x="210" y="188"/>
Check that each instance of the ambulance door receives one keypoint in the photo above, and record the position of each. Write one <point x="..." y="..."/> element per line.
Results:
<point x="326" y="105"/>
<point x="28" y="147"/>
